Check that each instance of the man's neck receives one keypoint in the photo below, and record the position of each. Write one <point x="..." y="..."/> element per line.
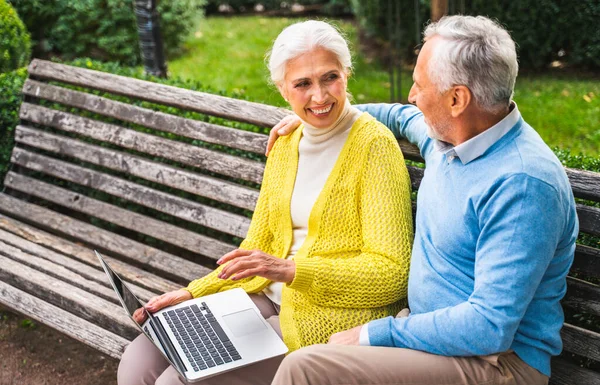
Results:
<point x="474" y="122"/>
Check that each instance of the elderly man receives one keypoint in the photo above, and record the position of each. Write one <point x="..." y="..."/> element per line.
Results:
<point x="495" y="231"/>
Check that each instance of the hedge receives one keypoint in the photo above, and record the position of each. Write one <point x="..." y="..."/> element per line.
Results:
<point x="15" y="44"/>
<point x="545" y="30"/>
<point x="102" y="29"/>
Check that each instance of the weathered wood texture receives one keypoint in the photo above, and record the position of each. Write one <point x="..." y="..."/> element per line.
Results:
<point x="60" y="293"/>
<point x="565" y="373"/>
<point x="582" y="296"/>
<point x="581" y="341"/>
<point x="76" y="253"/>
<point x="168" y="265"/>
<point x="205" y="186"/>
<point x="186" y="209"/>
<point x="585" y="184"/>
<point x="130" y="220"/>
<point x="69" y="324"/>
<point x="229" y="108"/>
<point x="587" y="261"/>
<point x="58" y="265"/>
<point x="589" y="219"/>
<point x="207" y="132"/>
<point x="210" y="160"/>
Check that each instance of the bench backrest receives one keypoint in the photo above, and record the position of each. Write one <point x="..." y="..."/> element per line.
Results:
<point x="179" y="191"/>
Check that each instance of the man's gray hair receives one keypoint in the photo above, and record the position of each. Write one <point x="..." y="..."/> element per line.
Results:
<point x="303" y="37"/>
<point x="475" y="52"/>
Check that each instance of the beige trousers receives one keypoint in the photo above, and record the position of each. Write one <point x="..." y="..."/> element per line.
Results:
<point x="142" y="363"/>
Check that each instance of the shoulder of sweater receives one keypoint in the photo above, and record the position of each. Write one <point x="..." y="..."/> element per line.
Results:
<point x="372" y="130"/>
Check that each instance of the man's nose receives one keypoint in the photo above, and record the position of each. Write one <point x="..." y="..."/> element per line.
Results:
<point x="412" y="95"/>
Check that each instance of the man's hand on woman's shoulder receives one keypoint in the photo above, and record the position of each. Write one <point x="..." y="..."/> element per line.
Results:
<point x="286" y="126"/>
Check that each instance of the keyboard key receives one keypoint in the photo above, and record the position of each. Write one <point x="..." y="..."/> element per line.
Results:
<point x="236" y="357"/>
<point x="219" y="361"/>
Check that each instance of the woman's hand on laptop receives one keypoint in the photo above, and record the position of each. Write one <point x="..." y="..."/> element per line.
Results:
<point x="286" y="126"/>
<point x="240" y="264"/>
<point x="159" y="302"/>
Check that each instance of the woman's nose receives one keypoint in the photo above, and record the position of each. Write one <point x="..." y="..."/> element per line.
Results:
<point x="319" y="95"/>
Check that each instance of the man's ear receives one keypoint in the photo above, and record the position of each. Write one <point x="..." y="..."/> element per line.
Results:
<point x="461" y="99"/>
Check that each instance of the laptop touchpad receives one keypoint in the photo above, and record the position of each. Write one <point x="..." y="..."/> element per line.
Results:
<point x="244" y="322"/>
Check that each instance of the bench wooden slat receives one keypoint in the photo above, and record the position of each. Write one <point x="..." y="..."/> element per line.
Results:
<point x="85" y="255"/>
<point x="80" y="280"/>
<point x="130" y="220"/>
<point x="585" y="184"/>
<point x="207" y="132"/>
<point x="581" y="341"/>
<point x="212" y="188"/>
<point x="187" y="154"/>
<point x="589" y="219"/>
<point x="71" y="325"/>
<point x="229" y="108"/>
<point x="587" y="261"/>
<point x="173" y="267"/>
<point x="566" y="373"/>
<point x="582" y="296"/>
<point x="54" y="264"/>
<point x="186" y="209"/>
<point x="66" y="296"/>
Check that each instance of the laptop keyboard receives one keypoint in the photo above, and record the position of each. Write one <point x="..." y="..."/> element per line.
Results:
<point x="202" y="339"/>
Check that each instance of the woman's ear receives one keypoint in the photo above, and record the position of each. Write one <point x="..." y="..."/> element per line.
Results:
<point x="282" y="91"/>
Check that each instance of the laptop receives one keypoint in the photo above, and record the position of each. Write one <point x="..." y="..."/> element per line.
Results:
<point x="205" y="336"/>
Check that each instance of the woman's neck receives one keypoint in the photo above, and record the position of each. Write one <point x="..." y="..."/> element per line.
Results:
<point x="344" y="121"/>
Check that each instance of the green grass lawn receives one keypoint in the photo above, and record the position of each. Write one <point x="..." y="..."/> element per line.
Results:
<point x="228" y="54"/>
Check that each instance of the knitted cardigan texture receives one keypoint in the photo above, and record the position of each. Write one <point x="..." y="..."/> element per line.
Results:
<point x="353" y="265"/>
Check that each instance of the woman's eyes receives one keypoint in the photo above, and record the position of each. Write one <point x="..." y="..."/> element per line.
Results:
<point x="304" y="84"/>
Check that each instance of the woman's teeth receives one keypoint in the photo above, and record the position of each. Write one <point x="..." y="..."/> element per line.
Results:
<point x="322" y="110"/>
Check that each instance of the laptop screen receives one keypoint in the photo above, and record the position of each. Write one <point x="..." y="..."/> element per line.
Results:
<point x="130" y="301"/>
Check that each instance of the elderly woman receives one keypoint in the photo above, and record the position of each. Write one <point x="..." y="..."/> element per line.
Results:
<point x="329" y="243"/>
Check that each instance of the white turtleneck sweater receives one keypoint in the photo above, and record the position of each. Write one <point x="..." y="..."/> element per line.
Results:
<point x="318" y="151"/>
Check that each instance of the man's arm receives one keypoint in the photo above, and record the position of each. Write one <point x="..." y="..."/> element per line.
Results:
<point x="404" y="120"/>
<point x="521" y="221"/>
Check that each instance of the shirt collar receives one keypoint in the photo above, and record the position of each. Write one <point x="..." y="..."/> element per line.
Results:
<point x="477" y="145"/>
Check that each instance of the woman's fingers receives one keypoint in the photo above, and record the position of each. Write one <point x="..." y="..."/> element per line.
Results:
<point x="232" y="255"/>
<point x="285" y="127"/>
<point x="168" y="299"/>
<point x="236" y="266"/>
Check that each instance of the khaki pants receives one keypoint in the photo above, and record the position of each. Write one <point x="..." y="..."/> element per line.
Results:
<point x="142" y="363"/>
<point x="369" y="365"/>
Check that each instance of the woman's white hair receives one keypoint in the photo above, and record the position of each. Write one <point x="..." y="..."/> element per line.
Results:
<point x="303" y="37"/>
<point x="475" y="52"/>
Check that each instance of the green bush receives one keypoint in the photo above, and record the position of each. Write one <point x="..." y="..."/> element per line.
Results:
<point x="11" y="84"/>
<point x="102" y="29"/>
<point x="545" y="30"/>
<point x="548" y="30"/>
<point x="15" y="44"/>
<point x="330" y="7"/>
<point x="374" y="18"/>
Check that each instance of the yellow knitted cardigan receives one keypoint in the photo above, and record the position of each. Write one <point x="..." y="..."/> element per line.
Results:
<point x="353" y="265"/>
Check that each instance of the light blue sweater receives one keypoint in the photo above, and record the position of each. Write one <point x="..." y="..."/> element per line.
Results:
<point x="494" y="240"/>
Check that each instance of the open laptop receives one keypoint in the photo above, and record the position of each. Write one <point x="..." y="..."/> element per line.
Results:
<point x="206" y="336"/>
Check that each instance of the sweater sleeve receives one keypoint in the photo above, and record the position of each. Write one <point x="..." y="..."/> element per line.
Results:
<point x="510" y="262"/>
<point x="404" y="120"/>
<point x="259" y="237"/>
<point x="378" y="275"/>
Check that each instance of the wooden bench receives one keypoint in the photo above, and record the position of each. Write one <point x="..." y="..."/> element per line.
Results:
<point x="163" y="196"/>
